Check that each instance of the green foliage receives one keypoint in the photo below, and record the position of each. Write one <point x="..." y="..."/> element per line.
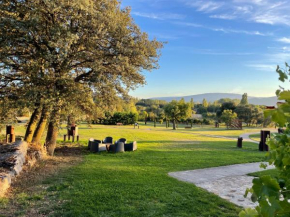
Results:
<point x="249" y="213"/>
<point x="250" y="114"/>
<point x="204" y="103"/>
<point x="192" y="103"/>
<point x="244" y="100"/>
<point x="228" y="116"/>
<point x="120" y="117"/>
<point x="51" y="50"/>
<point x="177" y="110"/>
<point x="273" y="193"/>
<point x="228" y="105"/>
<point x="201" y="110"/>
<point x="153" y="108"/>
<point x="8" y="113"/>
<point x="224" y="100"/>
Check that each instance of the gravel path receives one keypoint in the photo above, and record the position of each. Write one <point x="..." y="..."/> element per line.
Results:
<point x="228" y="182"/>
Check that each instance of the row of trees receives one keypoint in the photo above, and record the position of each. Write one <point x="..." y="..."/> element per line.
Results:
<point x="248" y="113"/>
<point x="223" y="110"/>
<point x="57" y="55"/>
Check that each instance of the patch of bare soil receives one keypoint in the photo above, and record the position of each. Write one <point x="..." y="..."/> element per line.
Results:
<point x="28" y="195"/>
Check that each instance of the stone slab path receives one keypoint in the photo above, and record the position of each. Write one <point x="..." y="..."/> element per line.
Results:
<point x="228" y="182"/>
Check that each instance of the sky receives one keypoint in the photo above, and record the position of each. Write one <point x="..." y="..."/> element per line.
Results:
<point x="214" y="46"/>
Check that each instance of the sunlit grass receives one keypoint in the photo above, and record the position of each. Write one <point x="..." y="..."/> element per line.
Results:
<point x="137" y="184"/>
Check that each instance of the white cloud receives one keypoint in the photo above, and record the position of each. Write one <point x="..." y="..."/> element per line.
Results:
<point x="264" y="67"/>
<point x="284" y="40"/>
<point x="259" y="11"/>
<point x="269" y="62"/>
<point x="219" y="53"/>
<point x="257" y="2"/>
<point x="223" y="17"/>
<point x="205" y="6"/>
<point x="240" y="31"/>
<point x="161" y="16"/>
<point x="189" y="24"/>
<point x="243" y="9"/>
<point x="224" y="30"/>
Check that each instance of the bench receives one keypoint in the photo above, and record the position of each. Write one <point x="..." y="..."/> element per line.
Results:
<point x="119" y="124"/>
<point x="188" y="127"/>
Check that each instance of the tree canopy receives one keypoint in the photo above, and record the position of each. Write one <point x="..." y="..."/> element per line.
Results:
<point x="228" y="116"/>
<point x="49" y="46"/>
<point x="177" y="110"/>
<point x="244" y="100"/>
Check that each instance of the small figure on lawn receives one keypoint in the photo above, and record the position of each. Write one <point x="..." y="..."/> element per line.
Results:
<point x="136" y="125"/>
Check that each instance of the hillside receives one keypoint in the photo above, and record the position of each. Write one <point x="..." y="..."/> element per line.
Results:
<point x="211" y="97"/>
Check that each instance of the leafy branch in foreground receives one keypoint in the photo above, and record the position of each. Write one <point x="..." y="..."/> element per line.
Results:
<point x="273" y="194"/>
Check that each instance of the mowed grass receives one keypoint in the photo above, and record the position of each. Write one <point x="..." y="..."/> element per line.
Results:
<point x="272" y="172"/>
<point x="137" y="183"/>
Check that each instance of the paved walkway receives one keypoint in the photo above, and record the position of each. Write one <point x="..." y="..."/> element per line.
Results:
<point x="229" y="182"/>
<point x="246" y="137"/>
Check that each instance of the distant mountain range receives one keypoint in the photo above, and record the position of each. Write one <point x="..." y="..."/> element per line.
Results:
<point x="211" y="97"/>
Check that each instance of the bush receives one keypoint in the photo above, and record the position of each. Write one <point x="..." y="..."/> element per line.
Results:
<point x="120" y="117"/>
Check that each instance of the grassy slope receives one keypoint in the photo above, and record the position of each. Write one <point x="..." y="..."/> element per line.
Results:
<point x="136" y="183"/>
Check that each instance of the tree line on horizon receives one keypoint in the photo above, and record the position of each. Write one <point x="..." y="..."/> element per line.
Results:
<point x="222" y="111"/>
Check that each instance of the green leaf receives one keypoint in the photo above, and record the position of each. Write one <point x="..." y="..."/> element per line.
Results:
<point x="268" y="112"/>
<point x="277" y="115"/>
<point x="265" y="187"/>
<point x="285" y="95"/>
<point x="249" y="213"/>
<point x="270" y="207"/>
<point x="282" y="75"/>
<point x="285" y="205"/>
<point x="271" y="186"/>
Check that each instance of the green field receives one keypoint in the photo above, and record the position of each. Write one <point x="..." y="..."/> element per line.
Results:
<point x="136" y="183"/>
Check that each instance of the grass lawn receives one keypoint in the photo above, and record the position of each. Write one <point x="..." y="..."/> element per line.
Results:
<point x="136" y="183"/>
<point x="272" y="172"/>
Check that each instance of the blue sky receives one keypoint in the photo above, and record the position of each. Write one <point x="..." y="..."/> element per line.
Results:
<point x="230" y="46"/>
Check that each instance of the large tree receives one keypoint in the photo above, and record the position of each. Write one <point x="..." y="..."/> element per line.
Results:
<point x="177" y="110"/>
<point x="248" y="113"/>
<point x="55" y="44"/>
<point x="244" y="100"/>
<point x="228" y="116"/>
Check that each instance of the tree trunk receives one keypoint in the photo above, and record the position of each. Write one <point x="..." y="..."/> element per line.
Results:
<point x="174" y="125"/>
<point x="52" y="132"/>
<point x="41" y="126"/>
<point x="32" y="124"/>
<point x="145" y="121"/>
